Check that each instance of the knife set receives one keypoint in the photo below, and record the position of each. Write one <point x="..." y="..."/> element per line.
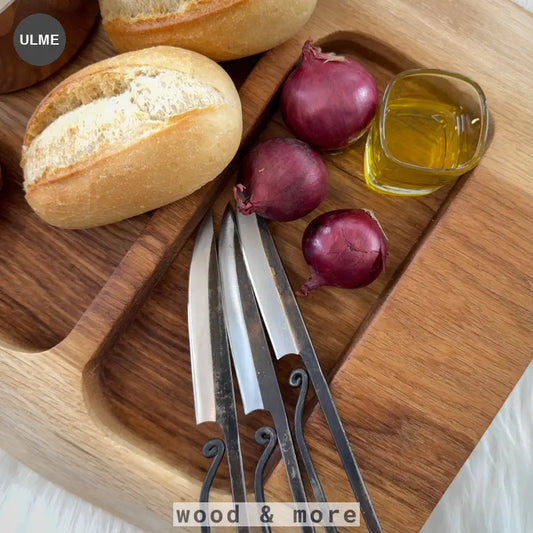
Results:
<point x="230" y="299"/>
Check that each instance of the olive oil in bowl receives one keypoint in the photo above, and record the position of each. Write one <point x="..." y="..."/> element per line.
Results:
<point x="428" y="133"/>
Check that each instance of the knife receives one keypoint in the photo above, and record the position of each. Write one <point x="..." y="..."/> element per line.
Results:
<point x="214" y="400"/>
<point x="251" y="355"/>
<point x="257" y="378"/>
<point x="288" y="335"/>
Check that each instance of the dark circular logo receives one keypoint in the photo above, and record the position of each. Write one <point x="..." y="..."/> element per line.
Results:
<point x="39" y="39"/>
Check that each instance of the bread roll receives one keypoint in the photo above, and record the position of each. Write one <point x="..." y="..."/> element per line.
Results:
<point x="220" y="29"/>
<point x="129" y="134"/>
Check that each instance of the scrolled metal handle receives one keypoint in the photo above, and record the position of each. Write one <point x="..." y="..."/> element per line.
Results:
<point x="299" y="378"/>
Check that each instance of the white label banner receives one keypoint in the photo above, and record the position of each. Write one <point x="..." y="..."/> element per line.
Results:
<point x="275" y="514"/>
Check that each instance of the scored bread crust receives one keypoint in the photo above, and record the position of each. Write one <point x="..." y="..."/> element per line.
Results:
<point x="165" y="57"/>
<point x="219" y="29"/>
<point x="91" y="194"/>
<point x="112" y="9"/>
<point x="189" y="150"/>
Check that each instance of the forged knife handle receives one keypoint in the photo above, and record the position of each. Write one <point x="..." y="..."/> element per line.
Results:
<point x="265" y="436"/>
<point x="300" y="379"/>
<point x="234" y="456"/>
<point x="336" y="428"/>
<point x="213" y="449"/>
<point x="288" y="454"/>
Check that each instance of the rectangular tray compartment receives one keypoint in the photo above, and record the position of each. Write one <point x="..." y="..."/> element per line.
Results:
<point x="146" y="376"/>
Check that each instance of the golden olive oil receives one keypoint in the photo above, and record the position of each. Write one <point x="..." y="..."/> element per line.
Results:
<point x="422" y="137"/>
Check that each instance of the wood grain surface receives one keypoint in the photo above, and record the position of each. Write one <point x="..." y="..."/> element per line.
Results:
<point x="439" y="340"/>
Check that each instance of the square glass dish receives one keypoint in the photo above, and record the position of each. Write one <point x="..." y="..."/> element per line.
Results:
<point x="431" y="128"/>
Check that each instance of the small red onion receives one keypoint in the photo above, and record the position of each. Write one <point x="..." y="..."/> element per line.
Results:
<point x="345" y="248"/>
<point x="328" y="100"/>
<point x="281" y="179"/>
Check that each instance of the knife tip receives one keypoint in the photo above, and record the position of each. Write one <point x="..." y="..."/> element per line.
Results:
<point x="207" y="220"/>
<point x="205" y="233"/>
<point x="227" y="228"/>
<point x="228" y="212"/>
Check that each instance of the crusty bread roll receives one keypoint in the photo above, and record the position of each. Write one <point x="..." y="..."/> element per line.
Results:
<point x="220" y="29"/>
<point x="129" y="134"/>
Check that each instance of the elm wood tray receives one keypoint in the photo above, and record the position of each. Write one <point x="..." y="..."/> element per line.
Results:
<point x="94" y="365"/>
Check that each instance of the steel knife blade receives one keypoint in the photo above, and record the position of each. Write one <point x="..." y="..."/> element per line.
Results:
<point x="214" y="399"/>
<point x="288" y="335"/>
<point x="249" y="347"/>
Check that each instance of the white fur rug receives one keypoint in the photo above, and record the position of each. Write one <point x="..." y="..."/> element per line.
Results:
<point x="493" y="492"/>
<point x="31" y="504"/>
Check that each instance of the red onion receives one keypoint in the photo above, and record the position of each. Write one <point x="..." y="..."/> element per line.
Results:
<point x="281" y="179"/>
<point x="328" y="100"/>
<point x="344" y="248"/>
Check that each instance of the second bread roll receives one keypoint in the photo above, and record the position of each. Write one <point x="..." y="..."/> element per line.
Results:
<point x="220" y="29"/>
<point x="129" y="134"/>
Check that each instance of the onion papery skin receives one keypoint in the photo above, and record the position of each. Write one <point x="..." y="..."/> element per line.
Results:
<point x="281" y="179"/>
<point x="328" y="100"/>
<point x="344" y="248"/>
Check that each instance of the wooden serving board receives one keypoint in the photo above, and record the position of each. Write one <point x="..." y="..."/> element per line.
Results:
<point x="94" y="365"/>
